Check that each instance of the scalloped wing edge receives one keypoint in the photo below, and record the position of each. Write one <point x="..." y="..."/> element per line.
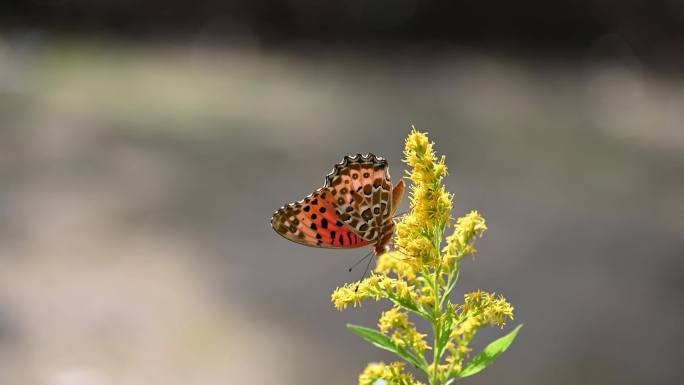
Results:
<point x="348" y="159"/>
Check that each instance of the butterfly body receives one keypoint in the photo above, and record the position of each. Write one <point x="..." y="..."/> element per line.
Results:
<point x="353" y="209"/>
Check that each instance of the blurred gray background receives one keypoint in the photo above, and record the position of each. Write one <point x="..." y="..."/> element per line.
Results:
<point x="144" y="147"/>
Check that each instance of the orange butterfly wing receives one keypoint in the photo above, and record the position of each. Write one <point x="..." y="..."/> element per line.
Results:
<point x="363" y="194"/>
<point x="313" y="221"/>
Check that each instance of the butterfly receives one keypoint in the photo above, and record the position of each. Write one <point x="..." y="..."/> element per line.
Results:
<point x="355" y="208"/>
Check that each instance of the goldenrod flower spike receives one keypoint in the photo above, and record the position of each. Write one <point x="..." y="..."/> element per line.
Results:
<point x="418" y="279"/>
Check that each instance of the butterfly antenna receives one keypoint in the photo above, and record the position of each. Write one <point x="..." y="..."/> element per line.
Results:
<point x="360" y="260"/>
<point x="364" y="272"/>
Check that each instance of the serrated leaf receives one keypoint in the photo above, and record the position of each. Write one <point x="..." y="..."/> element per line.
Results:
<point x="383" y="342"/>
<point x="489" y="354"/>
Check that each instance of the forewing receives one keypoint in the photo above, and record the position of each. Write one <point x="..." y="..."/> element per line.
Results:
<point x="313" y="222"/>
<point x="362" y="193"/>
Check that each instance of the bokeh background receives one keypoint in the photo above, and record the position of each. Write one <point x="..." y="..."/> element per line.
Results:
<point x="145" y="144"/>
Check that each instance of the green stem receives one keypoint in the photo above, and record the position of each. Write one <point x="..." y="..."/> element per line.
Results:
<point x="435" y="359"/>
<point x="437" y="322"/>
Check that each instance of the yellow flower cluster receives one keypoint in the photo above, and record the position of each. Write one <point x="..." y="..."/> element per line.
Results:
<point x="393" y="319"/>
<point x="459" y="244"/>
<point x="376" y="286"/>
<point x="430" y="203"/>
<point x="397" y="264"/>
<point x="493" y="310"/>
<point x="405" y="333"/>
<point x="392" y="374"/>
<point x="479" y="309"/>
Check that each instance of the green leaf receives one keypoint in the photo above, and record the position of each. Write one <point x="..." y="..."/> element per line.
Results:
<point x="489" y="354"/>
<point x="383" y="342"/>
